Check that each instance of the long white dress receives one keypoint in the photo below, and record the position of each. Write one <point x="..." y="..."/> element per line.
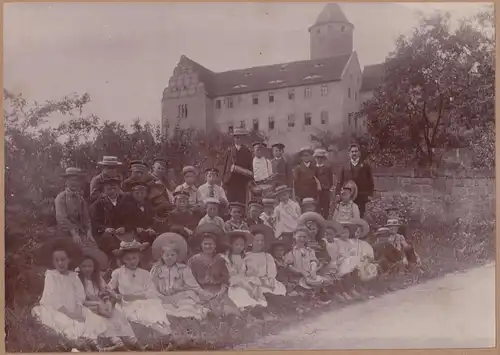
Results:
<point x="261" y="269"/>
<point x="148" y="312"/>
<point x="67" y="290"/>
<point x="241" y="291"/>
<point x="117" y="325"/>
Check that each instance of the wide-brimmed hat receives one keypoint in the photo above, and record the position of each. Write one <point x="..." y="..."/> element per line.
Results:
<point x="69" y="172"/>
<point x="97" y="255"/>
<point x="240" y="233"/>
<point x="133" y="246"/>
<point x="393" y="222"/>
<point x="320" y="152"/>
<point x="44" y="254"/>
<point x="311" y="216"/>
<point x="308" y="201"/>
<point x="306" y="149"/>
<point x="109" y="161"/>
<point x="278" y="145"/>
<point x="351" y="185"/>
<point x="266" y="231"/>
<point x="170" y="239"/>
<point x="208" y="230"/>
<point x="280" y="189"/>
<point x="189" y="169"/>
<point x="353" y="224"/>
<point x="240" y="132"/>
<point x="334" y="225"/>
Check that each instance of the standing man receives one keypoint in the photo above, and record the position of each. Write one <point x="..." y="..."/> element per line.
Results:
<point x="304" y="176"/>
<point x="361" y="173"/>
<point x="110" y="166"/>
<point x="159" y="173"/>
<point x="325" y="175"/>
<point x="280" y="166"/>
<point x="238" y="169"/>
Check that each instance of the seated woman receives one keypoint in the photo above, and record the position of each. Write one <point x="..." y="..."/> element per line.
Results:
<point x="61" y="306"/>
<point x="137" y="294"/>
<point x="100" y="300"/>
<point x="244" y="294"/>
<point x="180" y="293"/>
<point x="210" y="270"/>
<point x="304" y="267"/>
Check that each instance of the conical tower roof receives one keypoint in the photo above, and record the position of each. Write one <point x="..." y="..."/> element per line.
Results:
<point x="332" y="12"/>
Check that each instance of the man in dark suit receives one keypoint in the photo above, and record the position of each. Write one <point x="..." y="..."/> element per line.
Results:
<point x="361" y="173"/>
<point x="238" y="168"/>
<point x="304" y="176"/>
<point x="280" y="166"/>
<point x="325" y="175"/>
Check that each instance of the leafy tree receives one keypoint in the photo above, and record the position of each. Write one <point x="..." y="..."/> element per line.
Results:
<point x="437" y="93"/>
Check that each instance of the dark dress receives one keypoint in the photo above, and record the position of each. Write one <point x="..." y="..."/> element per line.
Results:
<point x="103" y="215"/>
<point x="304" y="181"/>
<point x="130" y="216"/>
<point x="361" y="174"/>
<point x="188" y="219"/>
<point x="237" y="184"/>
<point x="324" y="174"/>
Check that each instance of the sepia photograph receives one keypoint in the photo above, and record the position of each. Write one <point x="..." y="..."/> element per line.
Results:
<point x="249" y="176"/>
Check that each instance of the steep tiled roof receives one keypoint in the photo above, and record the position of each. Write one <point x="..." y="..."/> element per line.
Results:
<point x="372" y="77"/>
<point x="331" y="13"/>
<point x="272" y="77"/>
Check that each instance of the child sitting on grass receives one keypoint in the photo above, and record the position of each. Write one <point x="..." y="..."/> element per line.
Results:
<point x="236" y="221"/>
<point x="212" y="216"/>
<point x="286" y="214"/>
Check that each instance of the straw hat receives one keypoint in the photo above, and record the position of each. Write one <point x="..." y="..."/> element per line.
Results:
<point x="247" y="236"/>
<point x="311" y="216"/>
<point x="281" y="189"/>
<point x="73" y="172"/>
<point x="97" y="255"/>
<point x="353" y="187"/>
<point x="130" y="246"/>
<point x="170" y="239"/>
<point x="357" y="223"/>
<point x="334" y="225"/>
<point x="189" y="169"/>
<point x="109" y="161"/>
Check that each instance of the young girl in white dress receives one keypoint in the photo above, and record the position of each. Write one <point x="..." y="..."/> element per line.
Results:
<point x="241" y="291"/>
<point x="139" y="299"/>
<point x="101" y="301"/>
<point x="61" y="307"/>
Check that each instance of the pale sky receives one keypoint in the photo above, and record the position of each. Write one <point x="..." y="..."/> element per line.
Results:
<point x="123" y="54"/>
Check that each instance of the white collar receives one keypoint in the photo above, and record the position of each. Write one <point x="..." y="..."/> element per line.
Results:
<point x="238" y="146"/>
<point x="307" y="164"/>
<point x="355" y="162"/>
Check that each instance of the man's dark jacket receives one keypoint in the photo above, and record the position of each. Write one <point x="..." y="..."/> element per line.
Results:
<point x="361" y="174"/>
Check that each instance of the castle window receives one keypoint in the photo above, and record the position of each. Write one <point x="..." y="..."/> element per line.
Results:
<point x="291" y="94"/>
<point x="271" y="123"/>
<point x="230" y="128"/>
<point x="307" y="92"/>
<point x="291" y="120"/>
<point x="349" y="92"/>
<point x="217" y="104"/>
<point x="255" y="124"/>
<point x="271" y="97"/>
<point x="229" y="102"/>
<point x="182" y="111"/>
<point x="324" y="90"/>
<point x="307" y="119"/>
<point x="242" y="124"/>
<point x="324" y="117"/>
<point x="255" y="99"/>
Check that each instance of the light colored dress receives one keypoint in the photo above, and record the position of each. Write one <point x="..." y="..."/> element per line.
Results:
<point x="241" y="291"/>
<point x="347" y="255"/>
<point x="285" y="217"/>
<point x="345" y="212"/>
<point x="261" y="269"/>
<point x="117" y="325"/>
<point x="147" y="312"/>
<point x="66" y="290"/>
<point x="181" y="290"/>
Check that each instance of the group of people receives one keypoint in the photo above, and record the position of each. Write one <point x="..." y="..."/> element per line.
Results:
<point x="144" y="252"/>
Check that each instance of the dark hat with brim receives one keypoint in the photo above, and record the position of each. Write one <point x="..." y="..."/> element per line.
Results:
<point x="237" y="205"/>
<point x="160" y="160"/>
<point x="266" y="231"/>
<point x="279" y="145"/>
<point x="254" y="144"/>
<point x="255" y="204"/>
<point x="46" y="251"/>
<point x="139" y="185"/>
<point x="174" y="240"/>
<point x="240" y="233"/>
<point x="129" y="247"/>
<point x="73" y="172"/>
<point x="97" y="255"/>
<point x="212" y="170"/>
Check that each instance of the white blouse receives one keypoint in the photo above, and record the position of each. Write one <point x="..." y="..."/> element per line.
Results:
<point x="62" y="290"/>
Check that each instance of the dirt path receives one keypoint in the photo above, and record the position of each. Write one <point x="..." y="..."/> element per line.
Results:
<point x="457" y="310"/>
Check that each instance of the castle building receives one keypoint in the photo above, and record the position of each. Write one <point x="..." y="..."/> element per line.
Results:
<point x="286" y="102"/>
